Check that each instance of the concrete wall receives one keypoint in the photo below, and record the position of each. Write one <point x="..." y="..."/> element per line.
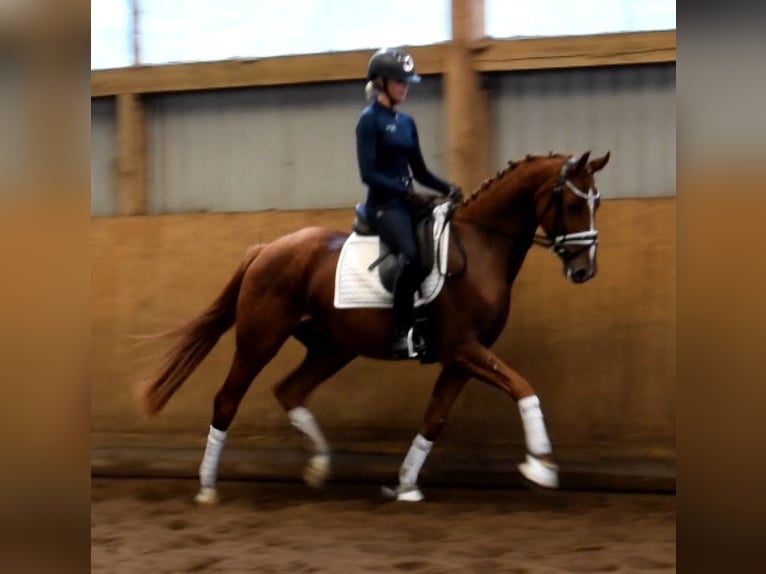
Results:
<point x="600" y="355"/>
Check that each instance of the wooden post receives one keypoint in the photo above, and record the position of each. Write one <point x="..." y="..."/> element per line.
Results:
<point x="136" y="33"/>
<point x="467" y="107"/>
<point x="131" y="135"/>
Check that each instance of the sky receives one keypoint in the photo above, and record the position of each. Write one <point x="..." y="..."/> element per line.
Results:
<point x="205" y="30"/>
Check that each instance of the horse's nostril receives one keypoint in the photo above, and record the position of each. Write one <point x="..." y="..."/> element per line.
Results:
<point x="580" y="275"/>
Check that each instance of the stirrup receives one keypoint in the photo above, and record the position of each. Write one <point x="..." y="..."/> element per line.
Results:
<point x="415" y="346"/>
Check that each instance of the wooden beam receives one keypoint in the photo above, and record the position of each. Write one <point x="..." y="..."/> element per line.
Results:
<point x="282" y="70"/>
<point x="575" y="51"/>
<point x="488" y="56"/>
<point x="466" y="103"/>
<point x="131" y="137"/>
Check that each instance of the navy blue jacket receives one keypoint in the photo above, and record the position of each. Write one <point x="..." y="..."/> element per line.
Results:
<point x="387" y="146"/>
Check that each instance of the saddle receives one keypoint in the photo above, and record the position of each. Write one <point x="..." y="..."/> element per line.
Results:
<point x="386" y="262"/>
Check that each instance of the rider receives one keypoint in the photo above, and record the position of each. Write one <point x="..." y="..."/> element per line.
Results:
<point x="387" y="146"/>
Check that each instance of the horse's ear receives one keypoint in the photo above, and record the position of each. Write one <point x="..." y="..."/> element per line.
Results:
<point x="582" y="161"/>
<point x="599" y="163"/>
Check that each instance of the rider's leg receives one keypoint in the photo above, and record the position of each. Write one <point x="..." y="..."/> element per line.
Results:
<point x="404" y="290"/>
<point x="396" y="230"/>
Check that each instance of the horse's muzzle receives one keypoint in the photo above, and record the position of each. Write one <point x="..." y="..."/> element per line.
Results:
<point x="579" y="274"/>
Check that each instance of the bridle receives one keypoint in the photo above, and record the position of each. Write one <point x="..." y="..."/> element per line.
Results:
<point x="561" y="241"/>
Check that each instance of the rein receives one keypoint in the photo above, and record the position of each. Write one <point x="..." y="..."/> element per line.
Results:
<point x="558" y="243"/>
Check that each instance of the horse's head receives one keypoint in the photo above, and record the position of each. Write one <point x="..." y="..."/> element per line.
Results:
<point x="566" y="208"/>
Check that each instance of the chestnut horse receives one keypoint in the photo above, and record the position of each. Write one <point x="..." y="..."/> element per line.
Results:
<point x="285" y="288"/>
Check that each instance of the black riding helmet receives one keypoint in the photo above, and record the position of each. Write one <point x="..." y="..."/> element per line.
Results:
<point x="392" y="64"/>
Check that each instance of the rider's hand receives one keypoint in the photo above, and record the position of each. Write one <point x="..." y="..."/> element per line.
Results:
<point x="455" y="194"/>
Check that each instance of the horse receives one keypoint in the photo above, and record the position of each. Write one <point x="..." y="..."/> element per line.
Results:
<point x="285" y="288"/>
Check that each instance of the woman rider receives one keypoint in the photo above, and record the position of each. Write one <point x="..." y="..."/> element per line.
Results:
<point x="387" y="148"/>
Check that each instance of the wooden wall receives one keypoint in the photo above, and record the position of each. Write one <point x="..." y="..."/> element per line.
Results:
<point x="600" y="355"/>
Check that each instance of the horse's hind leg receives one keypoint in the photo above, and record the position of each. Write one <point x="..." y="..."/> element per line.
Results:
<point x="241" y="374"/>
<point x="253" y="352"/>
<point x="320" y="363"/>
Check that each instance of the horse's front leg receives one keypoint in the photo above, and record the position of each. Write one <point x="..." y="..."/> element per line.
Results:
<point x="539" y="467"/>
<point x="448" y="386"/>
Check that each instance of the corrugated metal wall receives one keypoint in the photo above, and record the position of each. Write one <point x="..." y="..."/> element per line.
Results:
<point x="629" y="110"/>
<point x="10" y="118"/>
<point x="103" y="157"/>
<point x="269" y="148"/>
<point x="293" y="147"/>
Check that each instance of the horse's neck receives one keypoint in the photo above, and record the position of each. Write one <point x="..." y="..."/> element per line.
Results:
<point x="506" y="204"/>
<point x="504" y="215"/>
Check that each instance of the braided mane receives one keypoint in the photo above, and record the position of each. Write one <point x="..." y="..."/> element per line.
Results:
<point x="512" y="164"/>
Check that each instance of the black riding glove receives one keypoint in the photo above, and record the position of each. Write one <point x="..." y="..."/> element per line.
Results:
<point x="455" y="194"/>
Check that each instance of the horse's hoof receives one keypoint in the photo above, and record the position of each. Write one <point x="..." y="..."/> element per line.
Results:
<point x="403" y="494"/>
<point x="539" y="472"/>
<point x="317" y="471"/>
<point x="207" y="496"/>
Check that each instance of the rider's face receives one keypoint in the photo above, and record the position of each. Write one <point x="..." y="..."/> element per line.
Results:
<point x="398" y="90"/>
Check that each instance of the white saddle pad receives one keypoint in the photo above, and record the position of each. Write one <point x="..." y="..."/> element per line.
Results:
<point x="356" y="287"/>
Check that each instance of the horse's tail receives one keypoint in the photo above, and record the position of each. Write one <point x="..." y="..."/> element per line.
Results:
<point x="194" y="341"/>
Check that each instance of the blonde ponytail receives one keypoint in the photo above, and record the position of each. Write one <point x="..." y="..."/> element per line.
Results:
<point x="370" y="90"/>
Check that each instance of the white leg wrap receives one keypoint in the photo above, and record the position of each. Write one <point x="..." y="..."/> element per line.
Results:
<point x="541" y="473"/>
<point x="302" y="419"/>
<point x="413" y="462"/>
<point x="208" y="470"/>
<point x="534" y="426"/>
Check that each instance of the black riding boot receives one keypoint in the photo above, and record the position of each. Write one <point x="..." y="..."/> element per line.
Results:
<point x="404" y="291"/>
